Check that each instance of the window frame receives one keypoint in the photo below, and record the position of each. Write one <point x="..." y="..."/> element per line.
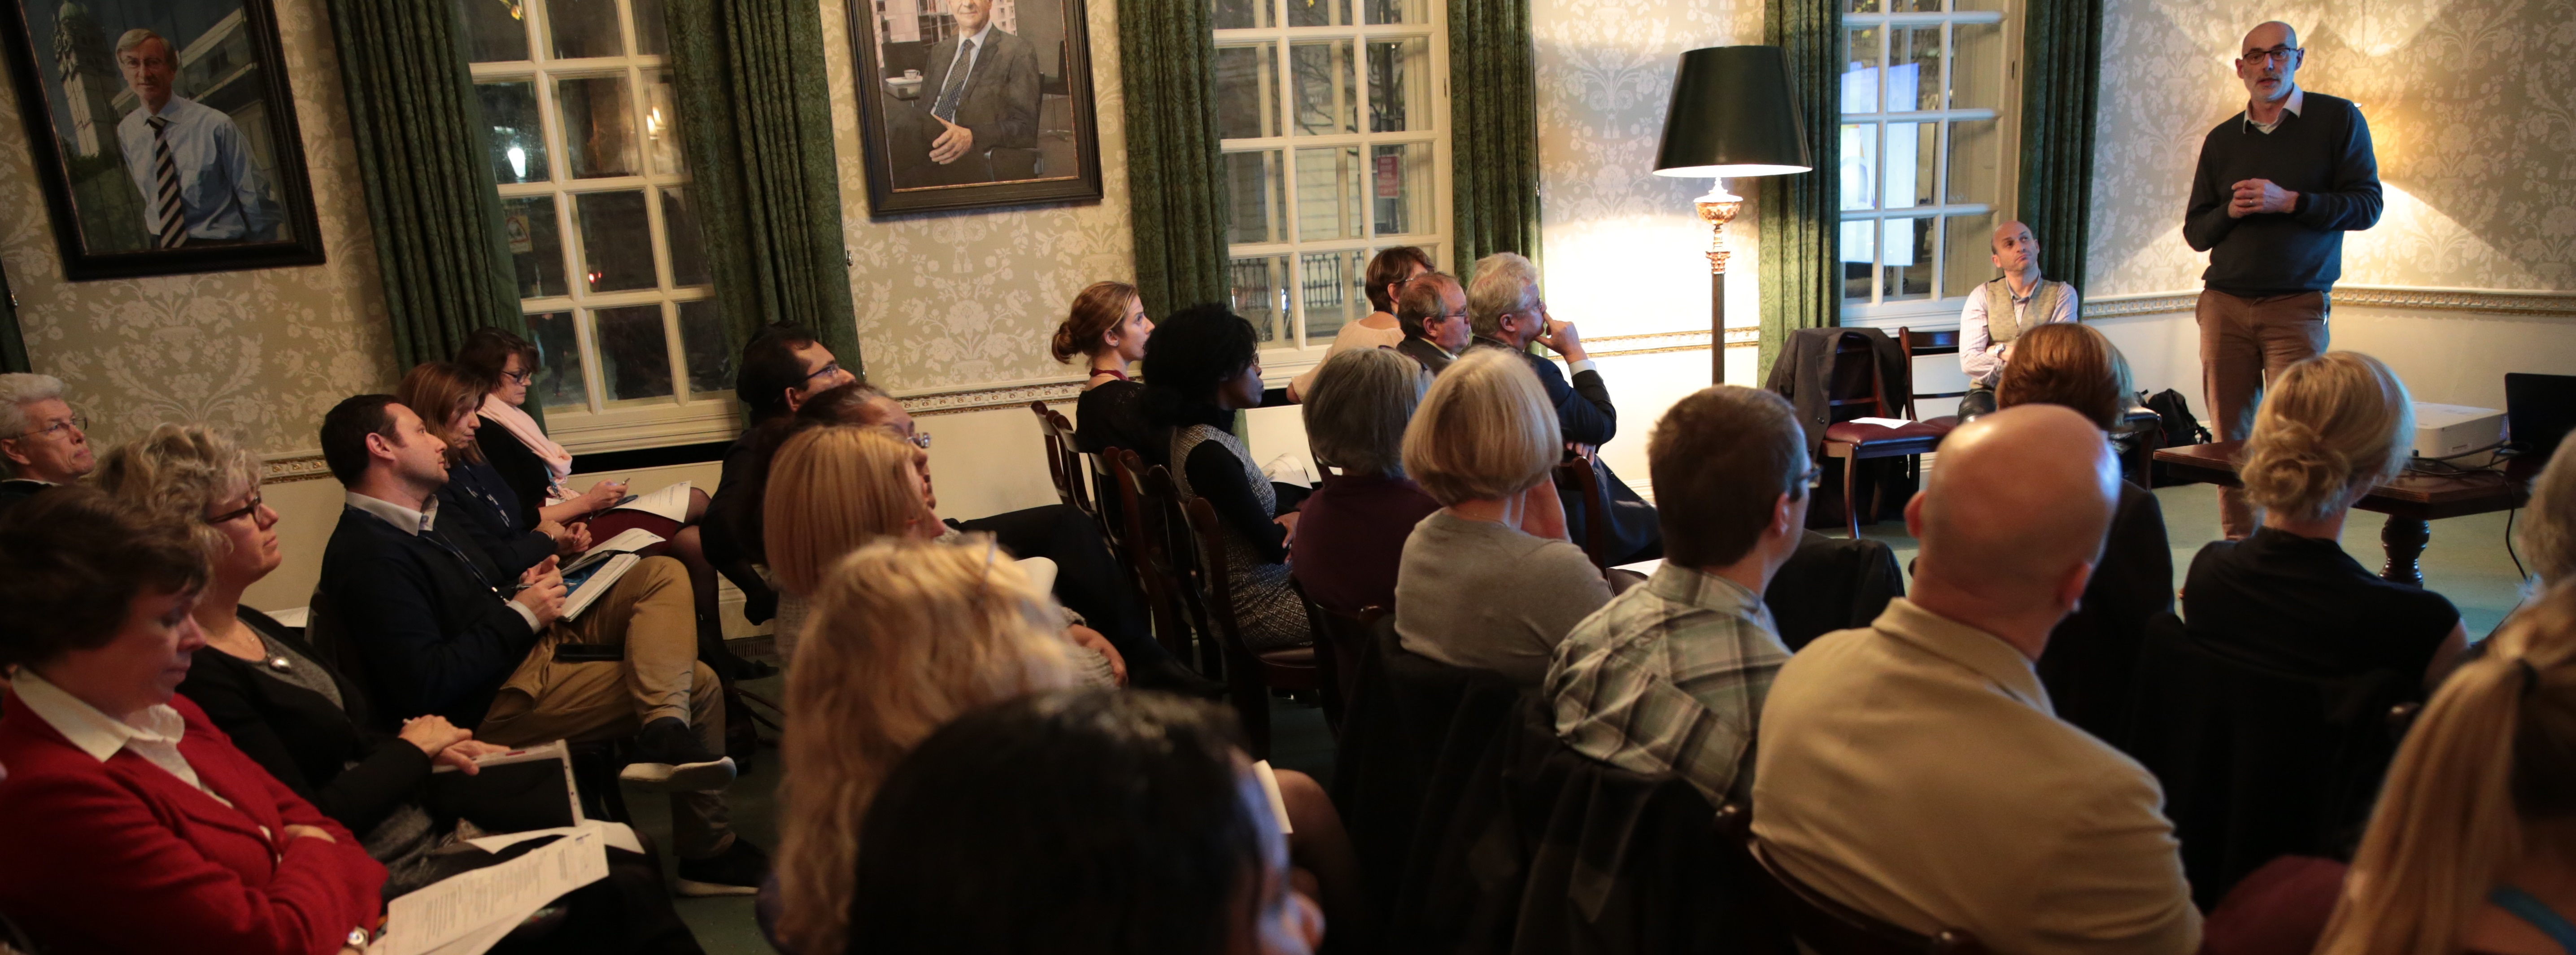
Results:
<point x="600" y="422"/>
<point x="1298" y="350"/>
<point x="1937" y="311"/>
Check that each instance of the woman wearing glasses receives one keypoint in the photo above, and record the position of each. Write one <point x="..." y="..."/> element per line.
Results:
<point x="42" y="443"/>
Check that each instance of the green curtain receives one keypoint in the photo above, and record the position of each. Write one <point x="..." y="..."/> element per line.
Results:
<point x="421" y="155"/>
<point x="756" y="112"/>
<point x="1493" y="123"/>
<point x="13" y="349"/>
<point x="2061" y="94"/>
<point x="1175" y="173"/>
<point x="1799" y="220"/>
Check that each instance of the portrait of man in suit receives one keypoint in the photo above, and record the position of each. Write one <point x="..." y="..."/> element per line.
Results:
<point x="973" y="117"/>
<point x="198" y="180"/>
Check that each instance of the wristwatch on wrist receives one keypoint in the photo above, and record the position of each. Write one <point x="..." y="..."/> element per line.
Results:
<point x="358" y="939"/>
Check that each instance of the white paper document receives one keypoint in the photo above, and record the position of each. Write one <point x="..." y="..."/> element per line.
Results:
<point x="1883" y="422"/>
<point x="590" y="585"/>
<point x="671" y="501"/>
<point x="627" y="541"/>
<point x="467" y="913"/>
<point x="1289" y="468"/>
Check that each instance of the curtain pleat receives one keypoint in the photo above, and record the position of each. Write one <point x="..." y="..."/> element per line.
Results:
<point x="2061" y="95"/>
<point x="1798" y="219"/>
<point x="1175" y="171"/>
<point x="756" y="117"/>
<point x="13" y="349"/>
<point x="1493" y="123"/>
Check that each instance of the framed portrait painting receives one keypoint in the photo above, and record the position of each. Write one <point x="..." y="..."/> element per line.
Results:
<point x="164" y="134"/>
<point x="971" y="103"/>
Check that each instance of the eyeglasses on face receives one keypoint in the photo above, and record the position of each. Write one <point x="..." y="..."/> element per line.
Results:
<point x="246" y="510"/>
<point x="918" y="439"/>
<point x="58" y="429"/>
<point x="2282" y="54"/>
<point x="829" y="368"/>
<point x="519" y="377"/>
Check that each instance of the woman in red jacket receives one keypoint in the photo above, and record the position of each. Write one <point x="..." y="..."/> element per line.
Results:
<point x="134" y="825"/>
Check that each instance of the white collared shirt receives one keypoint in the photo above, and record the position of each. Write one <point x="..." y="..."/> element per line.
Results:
<point x="152" y="734"/>
<point x="2298" y="101"/>
<point x="964" y="62"/>
<point x="413" y="523"/>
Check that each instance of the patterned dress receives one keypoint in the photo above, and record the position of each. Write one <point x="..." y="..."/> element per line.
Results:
<point x="1265" y="607"/>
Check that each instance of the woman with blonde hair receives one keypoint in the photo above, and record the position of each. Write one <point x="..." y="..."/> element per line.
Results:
<point x="2473" y="846"/>
<point x="830" y="491"/>
<point x="2548" y="531"/>
<point x="2288" y="597"/>
<point x="1489" y="580"/>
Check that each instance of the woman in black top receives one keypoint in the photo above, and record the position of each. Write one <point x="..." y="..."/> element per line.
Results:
<point x="2288" y="597"/>
<point x="1108" y="327"/>
<point x="1205" y="366"/>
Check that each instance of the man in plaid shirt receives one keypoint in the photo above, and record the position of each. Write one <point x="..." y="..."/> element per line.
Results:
<point x="1670" y="676"/>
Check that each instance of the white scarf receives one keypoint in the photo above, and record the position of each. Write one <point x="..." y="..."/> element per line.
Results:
<point x="511" y="419"/>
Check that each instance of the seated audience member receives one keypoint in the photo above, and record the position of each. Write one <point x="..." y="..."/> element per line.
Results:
<point x="446" y="397"/>
<point x="2091" y="653"/>
<point x="1388" y="271"/>
<point x="905" y="636"/>
<point x="1352" y="528"/>
<point x="1508" y="314"/>
<point x="1489" y="581"/>
<point x="2288" y="597"/>
<point x="135" y="826"/>
<point x="1433" y="313"/>
<point x="1108" y="324"/>
<point x="2473" y="845"/>
<point x="781" y="367"/>
<point x="1912" y="769"/>
<point x="2548" y="530"/>
<point x="1098" y="822"/>
<point x="1205" y="366"/>
<point x="1669" y="677"/>
<point x="442" y="631"/>
<point x="42" y="443"/>
<point x="1998" y="313"/>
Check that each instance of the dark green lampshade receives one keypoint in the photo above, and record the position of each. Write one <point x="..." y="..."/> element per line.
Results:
<point x="1733" y="114"/>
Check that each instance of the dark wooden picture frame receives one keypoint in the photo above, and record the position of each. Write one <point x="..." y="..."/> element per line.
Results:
<point x="1060" y="162"/>
<point x="222" y="58"/>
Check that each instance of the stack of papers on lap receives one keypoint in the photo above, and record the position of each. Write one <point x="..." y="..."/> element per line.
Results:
<point x="468" y="913"/>
<point x="671" y="501"/>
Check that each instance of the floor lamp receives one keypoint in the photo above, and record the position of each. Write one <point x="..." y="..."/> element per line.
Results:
<point x="1734" y="113"/>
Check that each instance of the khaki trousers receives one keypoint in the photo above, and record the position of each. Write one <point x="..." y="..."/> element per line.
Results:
<point x="2243" y="343"/>
<point x="651" y="613"/>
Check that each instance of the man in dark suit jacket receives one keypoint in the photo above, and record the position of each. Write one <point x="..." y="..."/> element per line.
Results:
<point x="1432" y="311"/>
<point x="979" y="92"/>
<point x="1507" y="312"/>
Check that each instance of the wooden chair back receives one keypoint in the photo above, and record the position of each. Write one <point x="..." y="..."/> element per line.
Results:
<point x="1248" y="676"/>
<point x="1148" y="554"/>
<point x="1822" y="925"/>
<point x="1064" y="460"/>
<point x="1341" y="640"/>
<point x="1915" y="344"/>
<point x="1595" y="504"/>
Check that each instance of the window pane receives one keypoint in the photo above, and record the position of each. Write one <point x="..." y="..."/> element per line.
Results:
<point x="1319" y="13"/>
<point x="1976" y="161"/>
<point x="1911" y="151"/>
<point x="1247" y="91"/>
<point x="1333" y="285"/>
<point x="584" y="28"/>
<point x="1914" y="68"/>
<point x="1261" y="294"/>
<point x="662" y="127"/>
<point x="1907" y="249"/>
<point x="1399" y="85"/>
<point x="1328" y="193"/>
<point x="1255" y="186"/>
<point x="705" y="349"/>
<point x="496" y="31"/>
<point x="518" y="140"/>
<point x="616" y="241"/>
<point x="1970" y="258"/>
<point x="598" y="127"/>
<point x="1242" y="14"/>
<point x="536" y="245"/>
<point x="1396" y="11"/>
<point x="652" y="29"/>
<point x="634" y="354"/>
<point x="1327" y="99"/>
<point x="1860" y="165"/>
<point x="1863" y="6"/>
<point x="1914" y="6"/>
<point x="1400" y="184"/>
<point x="1860" y="70"/>
<point x="687" y="244"/>
<point x="1859" y="259"/>
<point x="1976" y="66"/>
<point x="559" y="382"/>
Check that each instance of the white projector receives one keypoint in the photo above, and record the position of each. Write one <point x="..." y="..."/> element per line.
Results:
<point x="2445" y="430"/>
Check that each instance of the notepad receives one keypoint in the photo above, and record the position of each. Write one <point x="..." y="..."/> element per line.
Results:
<point x="672" y="501"/>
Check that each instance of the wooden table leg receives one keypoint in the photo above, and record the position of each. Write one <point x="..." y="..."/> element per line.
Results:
<point x="2405" y="542"/>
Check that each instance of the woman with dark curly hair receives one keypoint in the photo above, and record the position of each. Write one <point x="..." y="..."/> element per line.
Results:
<point x="1205" y="366"/>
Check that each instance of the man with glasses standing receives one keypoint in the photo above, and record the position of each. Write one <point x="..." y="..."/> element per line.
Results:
<point x="2276" y="187"/>
<point x="42" y="443"/>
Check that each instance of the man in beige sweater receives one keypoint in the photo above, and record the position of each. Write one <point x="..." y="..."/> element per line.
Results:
<point x="1914" y="770"/>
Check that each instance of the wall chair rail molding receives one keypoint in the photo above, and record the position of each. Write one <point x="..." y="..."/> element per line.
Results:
<point x="2415" y="299"/>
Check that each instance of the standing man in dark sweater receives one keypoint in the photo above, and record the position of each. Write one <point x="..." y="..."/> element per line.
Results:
<point x="2276" y="188"/>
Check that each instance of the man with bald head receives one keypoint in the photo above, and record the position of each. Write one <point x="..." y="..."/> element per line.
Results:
<point x="1987" y="326"/>
<point x="1914" y="769"/>
<point x="2277" y="187"/>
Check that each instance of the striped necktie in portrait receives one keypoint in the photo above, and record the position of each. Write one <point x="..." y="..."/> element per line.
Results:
<point x="955" y="87"/>
<point x="165" y="188"/>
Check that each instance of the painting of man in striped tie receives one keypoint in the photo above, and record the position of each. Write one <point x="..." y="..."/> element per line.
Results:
<point x="973" y="115"/>
<point x="200" y="183"/>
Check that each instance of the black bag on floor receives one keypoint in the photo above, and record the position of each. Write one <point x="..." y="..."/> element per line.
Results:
<point x="2180" y="428"/>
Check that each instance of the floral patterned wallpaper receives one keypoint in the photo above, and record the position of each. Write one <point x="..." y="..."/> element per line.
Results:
<point x="2468" y="106"/>
<point x="1622" y="246"/>
<point x="259" y="354"/>
<point x="967" y="299"/>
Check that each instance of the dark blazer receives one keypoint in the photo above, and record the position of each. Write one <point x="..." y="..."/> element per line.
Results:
<point x="1804" y="374"/>
<point x="1583" y="408"/>
<point x="2092" y="655"/>
<point x="519" y="467"/>
<point x="1829" y="584"/>
<point x="731" y="531"/>
<point x="327" y="754"/>
<point x="1000" y="102"/>
<point x="1422" y="350"/>
<point x="14" y="490"/>
<point x="431" y="633"/>
<point x="121" y="856"/>
<point x="485" y="508"/>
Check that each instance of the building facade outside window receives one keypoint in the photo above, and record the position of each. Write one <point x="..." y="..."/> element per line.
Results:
<point x="1929" y="128"/>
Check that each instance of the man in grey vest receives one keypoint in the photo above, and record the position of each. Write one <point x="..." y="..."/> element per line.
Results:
<point x="1999" y="311"/>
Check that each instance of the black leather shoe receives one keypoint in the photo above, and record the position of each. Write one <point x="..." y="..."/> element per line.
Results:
<point x="735" y="871"/>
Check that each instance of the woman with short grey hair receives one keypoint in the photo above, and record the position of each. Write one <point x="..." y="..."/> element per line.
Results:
<point x="1352" y="531"/>
<point x="42" y="443"/>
